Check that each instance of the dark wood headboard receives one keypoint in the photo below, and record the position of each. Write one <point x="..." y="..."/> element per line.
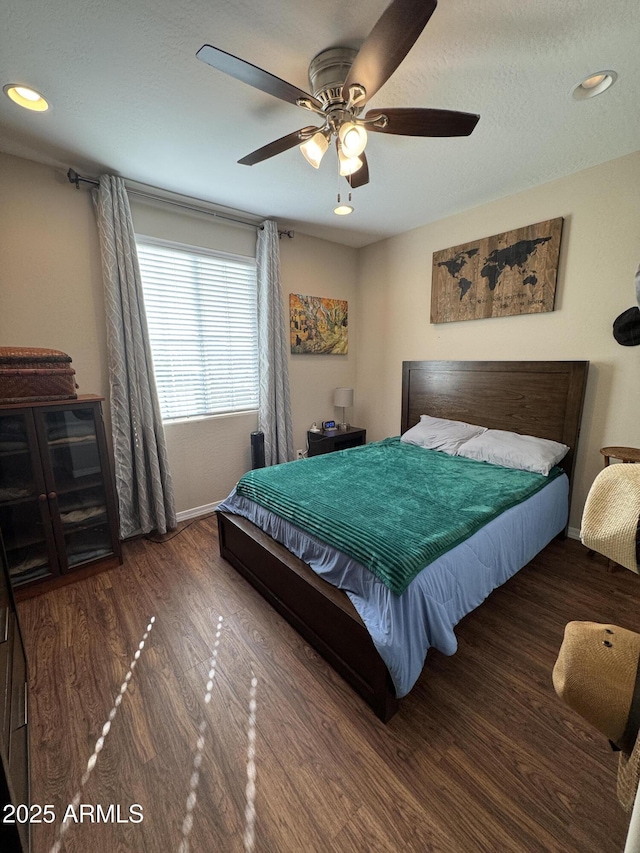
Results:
<point x="541" y="398"/>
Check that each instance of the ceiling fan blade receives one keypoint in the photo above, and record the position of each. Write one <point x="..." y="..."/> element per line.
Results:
<point x="278" y="146"/>
<point x="254" y="76"/>
<point x="388" y="43"/>
<point x="416" y="121"/>
<point x="361" y="177"/>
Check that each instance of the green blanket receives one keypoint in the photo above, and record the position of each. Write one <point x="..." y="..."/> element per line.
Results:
<point x="392" y="506"/>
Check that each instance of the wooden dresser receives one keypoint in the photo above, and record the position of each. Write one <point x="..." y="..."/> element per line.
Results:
<point x="14" y="730"/>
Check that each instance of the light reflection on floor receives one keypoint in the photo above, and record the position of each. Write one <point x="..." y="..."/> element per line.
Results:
<point x="250" y="790"/>
<point x="91" y="763"/>
<point x="187" y="823"/>
<point x="198" y="757"/>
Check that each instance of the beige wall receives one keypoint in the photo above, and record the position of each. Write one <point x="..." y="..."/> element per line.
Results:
<point x="51" y="296"/>
<point x="599" y="254"/>
<point x="50" y="279"/>
<point x="319" y="268"/>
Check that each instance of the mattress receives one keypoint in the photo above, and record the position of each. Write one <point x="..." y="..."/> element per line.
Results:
<point x="404" y="627"/>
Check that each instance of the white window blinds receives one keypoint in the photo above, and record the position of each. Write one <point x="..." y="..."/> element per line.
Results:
<point x="201" y="313"/>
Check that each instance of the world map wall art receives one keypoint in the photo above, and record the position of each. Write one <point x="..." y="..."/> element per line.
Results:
<point x="318" y="326"/>
<point x="511" y="273"/>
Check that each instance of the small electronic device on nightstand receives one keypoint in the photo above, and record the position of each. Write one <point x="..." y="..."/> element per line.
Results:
<point x="315" y="427"/>
<point x="327" y="426"/>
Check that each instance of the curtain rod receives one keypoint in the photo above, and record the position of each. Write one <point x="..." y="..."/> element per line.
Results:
<point x="75" y="178"/>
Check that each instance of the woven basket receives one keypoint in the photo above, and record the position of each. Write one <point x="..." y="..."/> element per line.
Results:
<point x="31" y="357"/>
<point x="34" y="374"/>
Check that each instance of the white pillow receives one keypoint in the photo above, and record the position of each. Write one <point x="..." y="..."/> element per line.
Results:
<point x="440" y="434"/>
<point x="514" y="451"/>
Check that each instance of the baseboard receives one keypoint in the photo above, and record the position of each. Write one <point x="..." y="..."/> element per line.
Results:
<point x="197" y="511"/>
<point x="574" y="533"/>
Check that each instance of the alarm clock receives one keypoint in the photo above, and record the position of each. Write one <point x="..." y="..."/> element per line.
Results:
<point x="328" y="425"/>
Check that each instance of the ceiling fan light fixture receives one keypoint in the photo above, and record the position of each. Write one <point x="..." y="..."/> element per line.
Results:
<point x="315" y="148"/>
<point x="348" y="165"/>
<point x="26" y="97"/>
<point x="353" y="138"/>
<point x="343" y="80"/>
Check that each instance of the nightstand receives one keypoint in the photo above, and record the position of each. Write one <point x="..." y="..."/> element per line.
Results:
<point x="335" y="439"/>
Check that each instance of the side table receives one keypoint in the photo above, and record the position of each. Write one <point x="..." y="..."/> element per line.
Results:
<point x="625" y="454"/>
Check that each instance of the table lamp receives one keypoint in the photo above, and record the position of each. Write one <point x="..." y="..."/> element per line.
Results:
<point x="343" y="398"/>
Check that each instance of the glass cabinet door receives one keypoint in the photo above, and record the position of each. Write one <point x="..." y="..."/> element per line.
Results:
<point x="24" y="509"/>
<point x="69" y="438"/>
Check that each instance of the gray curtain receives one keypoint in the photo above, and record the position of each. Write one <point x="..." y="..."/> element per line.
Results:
<point x="143" y="481"/>
<point x="274" y="410"/>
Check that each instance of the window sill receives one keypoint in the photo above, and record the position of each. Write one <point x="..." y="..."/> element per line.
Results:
<point x="200" y="418"/>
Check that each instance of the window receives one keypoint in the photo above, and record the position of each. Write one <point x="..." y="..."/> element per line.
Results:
<point x="201" y="313"/>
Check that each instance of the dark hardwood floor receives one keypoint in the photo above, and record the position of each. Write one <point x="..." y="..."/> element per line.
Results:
<point x="482" y="756"/>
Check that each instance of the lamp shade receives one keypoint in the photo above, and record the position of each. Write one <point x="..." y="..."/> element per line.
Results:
<point x="314" y="149"/>
<point x="343" y="398"/>
<point x="348" y="165"/>
<point x="353" y="138"/>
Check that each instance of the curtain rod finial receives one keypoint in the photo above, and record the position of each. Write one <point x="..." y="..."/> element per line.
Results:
<point x="74" y="178"/>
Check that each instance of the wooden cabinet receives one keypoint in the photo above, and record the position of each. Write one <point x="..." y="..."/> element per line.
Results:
<point x="57" y="503"/>
<point x="337" y="439"/>
<point x="14" y="734"/>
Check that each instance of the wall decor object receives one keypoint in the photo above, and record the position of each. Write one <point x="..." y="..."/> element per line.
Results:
<point x="318" y="326"/>
<point x="510" y="273"/>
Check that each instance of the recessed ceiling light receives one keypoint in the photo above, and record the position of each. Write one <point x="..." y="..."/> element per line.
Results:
<point x="594" y="84"/>
<point x="26" y="97"/>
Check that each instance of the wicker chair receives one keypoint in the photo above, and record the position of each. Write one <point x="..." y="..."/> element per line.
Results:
<point x="611" y="517"/>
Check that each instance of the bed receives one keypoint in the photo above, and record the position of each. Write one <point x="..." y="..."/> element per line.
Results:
<point x="543" y="399"/>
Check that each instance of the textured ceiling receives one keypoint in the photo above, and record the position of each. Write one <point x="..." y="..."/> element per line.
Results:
<point x="129" y="97"/>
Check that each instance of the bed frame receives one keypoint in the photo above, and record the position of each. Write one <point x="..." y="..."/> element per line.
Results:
<point x="541" y="398"/>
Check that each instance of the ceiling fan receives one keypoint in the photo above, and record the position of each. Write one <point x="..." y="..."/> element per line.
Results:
<point x="342" y="81"/>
